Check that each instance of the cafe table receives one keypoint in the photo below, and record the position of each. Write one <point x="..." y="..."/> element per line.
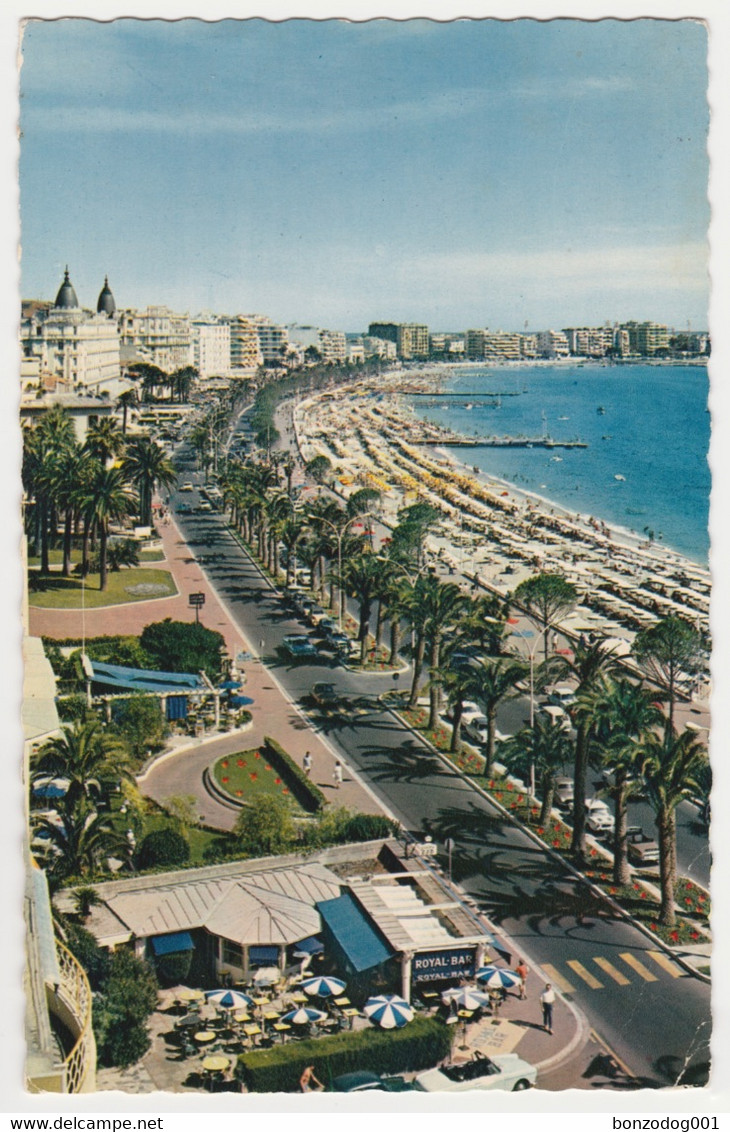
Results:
<point x="466" y="1014"/>
<point x="342" y="1002"/>
<point x="216" y="1063"/>
<point x="271" y="1015"/>
<point x="281" y="1028"/>
<point x="241" y="1016"/>
<point x="251" y="1030"/>
<point x="261" y="1001"/>
<point x="298" y="997"/>
<point x="205" y="1036"/>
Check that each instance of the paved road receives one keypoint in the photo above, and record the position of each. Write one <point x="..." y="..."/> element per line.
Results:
<point x="655" y="1016"/>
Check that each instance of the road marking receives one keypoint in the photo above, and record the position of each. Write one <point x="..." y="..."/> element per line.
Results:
<point x="611" y="971"/>
<point x="666" y="964"/>
<point x="585" y="975"/>
<point x="639" y="967"/>
<point x="561" y="983"/>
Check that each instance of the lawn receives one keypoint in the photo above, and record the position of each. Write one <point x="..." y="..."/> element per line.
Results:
<point x="247" y="775"/>
<point x="66" y="593"/>
<point x="55" y="557"/>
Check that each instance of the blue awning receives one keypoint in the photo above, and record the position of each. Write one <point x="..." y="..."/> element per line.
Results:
<point x="353" y="930"/>
<point x="263" y="954"/>
<point x="309" y="946"/>
<point x="176" y="941"/>
<point x="144" y="679"/>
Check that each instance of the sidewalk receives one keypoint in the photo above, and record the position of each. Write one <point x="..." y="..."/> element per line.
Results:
<point x="273" y="713"/>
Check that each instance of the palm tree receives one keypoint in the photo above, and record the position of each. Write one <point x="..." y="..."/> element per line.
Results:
<point x="291" y="533"/>
<point x="109" y="498"/>
<point x="484" y="623"/>
<point x="544" y="747"/>
<point x="147" y="467"/>
<point x="456" y="683"/>
<point x="360" y="579"/>
<point x="673" y="767"/>
<point x="88" y="756"/>
<point x="83" y="840"/>
<point x="43" y="446"/>
<point x="623" y="715"/>
<point x="545" y="599"/>
<point x="590" y="662"/>
<point x="125" y="401"/>
<point x="444" y="604"/>
<point x="666" y="651"/>
<point x="490" y="682"/>
<point x="104" y="440"/>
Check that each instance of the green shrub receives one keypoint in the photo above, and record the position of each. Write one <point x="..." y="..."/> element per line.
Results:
<point x="140" y="722"/>
<point x="265" y="827"/>
<point x="184" y="646"/>
<point x="369" y="827"/>
<point x="162" y="847"/>
<point x="173" y="968"/>
<point x="304" y="790"/>
<point x="422" y="1043"/>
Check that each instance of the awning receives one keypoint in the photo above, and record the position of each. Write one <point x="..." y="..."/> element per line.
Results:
<point x="144" y="679"/>
<point x="309" y="946"/>
<point x="263" y="954"/>
<point x="176" y="941"/>
<point x="354" y="932"/>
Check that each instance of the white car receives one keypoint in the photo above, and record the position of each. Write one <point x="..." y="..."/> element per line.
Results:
<point x="599" y="818"/>
<point x="187" y="486"/>
<point x="564" y="795"/>
<point x="557" y="714"/>
<point x="503" y="1071"/>
<point x="477" y="728"/>
<point x="562" y="696"/>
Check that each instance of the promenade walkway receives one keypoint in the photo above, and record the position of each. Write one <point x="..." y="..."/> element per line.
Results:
<point x="273" y="712"/>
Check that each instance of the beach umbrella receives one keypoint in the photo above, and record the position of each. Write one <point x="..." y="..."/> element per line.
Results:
<point x="323" y="985"/>
<point x="51" y="787"/>
<point x="229" y="999"/>
<point x="229" y="685"/>
<point x="501" y="977"/>
<point x="304" y="1015"/>
<point x="389" y="1010"/>
<point x="466" y="998"/>
<point x="239" y="701"/>
<point x="266" y="976"/>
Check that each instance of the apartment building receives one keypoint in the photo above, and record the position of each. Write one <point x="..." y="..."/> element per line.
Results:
<point x="245" y="347"/>
<point x="156" y="335"/>
<point x="411" y="339"/>
<point x="211" y="347"/>
<point x="552" y="344"/>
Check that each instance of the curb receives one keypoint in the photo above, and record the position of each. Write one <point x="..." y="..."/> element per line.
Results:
<point x="184" y="749"/>
<point x="577" y="875"/>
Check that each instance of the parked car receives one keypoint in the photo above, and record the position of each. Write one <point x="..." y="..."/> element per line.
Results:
<point x="315" y="614"/>
<point x="642" y="849"/>
<point x="599" y="819"/>
<point x="187" y="486"/>
<point x="364" y="1081"/>
<point x="469" y="710"/>
<point x="327" y="626"/>
<point x="503" y="1071"/>
<point x="557" y="714"/>
<point x="324" y="694"/>
<point x="297" y="647"/>
<point x="477" y="728"/>
<point x="564" y="796"/>
<point x="562" y="696"/>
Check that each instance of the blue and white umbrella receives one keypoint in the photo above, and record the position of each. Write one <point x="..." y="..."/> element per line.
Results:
<point x="501" y="977"/>
<point x="51" y="787"/>
<point x="229" y="999"/>
<point x="466" y="998"/>
<point x="388" y="1010"/>
<point x="323" y="985"/>
<point x="304" y="1015"/>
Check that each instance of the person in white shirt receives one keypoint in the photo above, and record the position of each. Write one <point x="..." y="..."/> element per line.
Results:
<point x="547" y="999"/>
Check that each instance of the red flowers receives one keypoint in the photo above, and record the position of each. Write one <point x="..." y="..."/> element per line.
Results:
<point x="653" y="927"/>
<point x="253" y="776"/>
<point x="277" y="781"/>
<point x="239" y="793"/>
<point x="674" y="936"/>
<point x="225" y="779"/>
<point x="268" y="767"/>
<point x="285" y="791"/>
<point x="240" y="762"/>
<point x="257" y="754"/>
<point x="225" y="763"/>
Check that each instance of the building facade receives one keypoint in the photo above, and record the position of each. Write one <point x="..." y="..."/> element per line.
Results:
<point x="552" y="344"/>
<point x="245" y="348"/>
<point x="211" y="348"/>
<point x="158" y="336"/>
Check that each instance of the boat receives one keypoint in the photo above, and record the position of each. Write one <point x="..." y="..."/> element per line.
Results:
<point x="618" y="476"/>
<point x="600" y="410"/>
<point x="607" y="437"/>
<point x="468" y="405"/>
<point x="563" y="418"/>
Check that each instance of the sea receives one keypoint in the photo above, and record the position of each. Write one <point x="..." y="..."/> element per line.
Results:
<point x="647" y="430"/>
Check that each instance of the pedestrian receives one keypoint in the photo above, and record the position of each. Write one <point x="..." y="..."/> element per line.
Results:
<point x="305" y="1081"/>
<point x="521" y="970"/>
<point x="262" y="645"/>
<point x="307" y="763"/>
<point x="337" y="775"/>
<point x="547" y="1000"/>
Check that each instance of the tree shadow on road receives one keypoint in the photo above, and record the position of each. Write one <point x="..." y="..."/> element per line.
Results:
<point x="406" y="763"/>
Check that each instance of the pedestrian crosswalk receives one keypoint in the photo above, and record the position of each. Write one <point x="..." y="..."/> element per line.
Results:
<point x="621" y="969"/>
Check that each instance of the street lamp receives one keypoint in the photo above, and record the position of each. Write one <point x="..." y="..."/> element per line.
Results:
<point x="527" y="636"/>
<point x="340" y="533"/>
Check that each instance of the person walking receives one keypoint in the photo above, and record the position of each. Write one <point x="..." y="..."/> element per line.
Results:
<point x="305" y="1081"/>
<point x="307" y="763"/>
<point x="547" y="1001"/>
<point x="337" y="774"/>
<point x="521" y="970"/>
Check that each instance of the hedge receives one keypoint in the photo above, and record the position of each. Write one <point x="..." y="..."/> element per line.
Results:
<point x="306" y="793"/>
<point x="422" y="1043"/>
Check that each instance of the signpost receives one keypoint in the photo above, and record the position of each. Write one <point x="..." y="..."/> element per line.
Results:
<point x="197" y="601"/>
<point x="449" y="846"/>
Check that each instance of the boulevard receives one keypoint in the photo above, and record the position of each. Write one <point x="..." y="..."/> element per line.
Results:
<point x="647" y="1009"/>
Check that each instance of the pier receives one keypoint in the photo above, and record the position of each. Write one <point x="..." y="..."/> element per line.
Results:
<point x="500" y="442"/>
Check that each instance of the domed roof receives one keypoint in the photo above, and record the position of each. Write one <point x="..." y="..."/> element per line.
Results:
<point x="66" y="297"/>
<point x="105" y="303"/>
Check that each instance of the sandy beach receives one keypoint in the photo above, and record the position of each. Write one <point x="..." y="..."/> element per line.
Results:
<point x="492" y="532"/>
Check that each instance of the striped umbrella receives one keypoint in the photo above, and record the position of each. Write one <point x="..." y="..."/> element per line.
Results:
<point x="498" y="977"/>
<point x="388" y="1010"/>
<point x="304" y="1015"/>
<point x="466" y="998"/>
<point x="323" y="985"/>
<point x="229" y="999"/>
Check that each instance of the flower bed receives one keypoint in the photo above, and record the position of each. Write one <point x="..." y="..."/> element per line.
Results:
<point x="246" y="775"/>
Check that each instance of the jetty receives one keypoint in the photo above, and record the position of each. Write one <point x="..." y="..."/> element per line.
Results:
<point x="499" y="442"/>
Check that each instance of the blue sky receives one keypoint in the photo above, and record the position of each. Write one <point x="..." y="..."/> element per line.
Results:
<point x="476" y="173"/>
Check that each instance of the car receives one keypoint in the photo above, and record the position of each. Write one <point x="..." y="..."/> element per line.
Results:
<point x="564" y="795"/>
<point x="187" y="486"/>
<point x="562" y="696"/>
<point x="599" y="819"/>
<point x="315" y="615"/>
<point x="298" y="647"/>
<point x="557" y="714"/>
<point x="324" y="694"/>
<point x="327" y="626"/>
<point x="503" y="1071"/>
<point x="642" y="849"/>
<point x="477" y="728"/>
<point x="363" y="1081"/>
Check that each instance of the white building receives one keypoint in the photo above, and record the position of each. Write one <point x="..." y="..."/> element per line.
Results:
<point x="552" y="344"/>
<point x="211" y="348"/>
<point x="379" y="348"/>
<point x="246" y="355"/>
<point x="158" y="336"/>
<point x="75" y="345"/>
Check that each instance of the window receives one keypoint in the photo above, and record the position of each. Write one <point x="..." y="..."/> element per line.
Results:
<point x="232" y="953"/>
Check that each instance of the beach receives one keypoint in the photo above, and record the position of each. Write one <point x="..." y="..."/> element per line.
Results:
<point x="492" y="532"/>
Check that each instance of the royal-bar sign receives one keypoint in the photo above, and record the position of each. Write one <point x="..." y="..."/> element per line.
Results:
<point x="432" y="966"/>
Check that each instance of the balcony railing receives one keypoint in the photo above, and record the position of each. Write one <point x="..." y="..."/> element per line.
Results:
<point x="75" y="994"/>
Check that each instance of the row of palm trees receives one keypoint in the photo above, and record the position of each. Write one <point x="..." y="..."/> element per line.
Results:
<point x="459" y="651"/>
<point x="73" y="488"/>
